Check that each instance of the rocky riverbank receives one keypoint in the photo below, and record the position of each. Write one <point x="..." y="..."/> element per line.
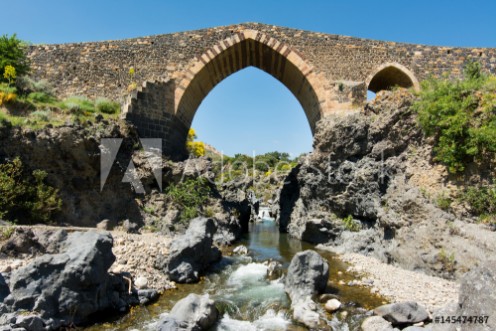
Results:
<point x="370" y="187"/>
<point x="65" y="283"/>
<point x="134" y="253"/>
<point x="397" y="284"/>
<point x="53" y="260"/>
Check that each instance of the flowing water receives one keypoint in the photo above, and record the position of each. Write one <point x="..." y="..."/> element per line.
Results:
<point x="247" y="299"/>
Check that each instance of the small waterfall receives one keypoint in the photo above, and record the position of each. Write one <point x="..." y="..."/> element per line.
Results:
<point x="264" y="213"/>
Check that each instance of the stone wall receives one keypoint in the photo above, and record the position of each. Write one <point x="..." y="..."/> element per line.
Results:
<point x="148" y="109"/>
<point x="101" y="68"/>
<point x="326" y="73"/>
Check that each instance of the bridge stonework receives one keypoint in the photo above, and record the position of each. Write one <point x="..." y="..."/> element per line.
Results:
<point x="328" y="74"/>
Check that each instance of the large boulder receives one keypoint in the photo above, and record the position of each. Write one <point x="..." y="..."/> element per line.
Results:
<point x="376" y="323"/>
<point x="305" y="312"/>
<point x="192" y="313"/>
<point x="191" y="253"/>
<point x="22" y="241"/>
<point x="402" y="312"/>
<point x="307" y="275"/>
<point x="318" y="231"/>
<point x="4" y="288"/>
<point x="68" y="287"/>
<point x="478" y="295"/>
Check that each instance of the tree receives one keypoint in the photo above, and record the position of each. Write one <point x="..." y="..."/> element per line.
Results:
<point x="196" y="148"/>
<point x="9" y="73"/>
<point x="13" y="53"/>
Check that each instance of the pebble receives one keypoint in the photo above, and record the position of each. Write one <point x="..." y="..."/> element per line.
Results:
<point x="241" y="250"/>
<point x="332" y="305"/>
<point x="141" y="282"/>
<point x="323" y="298"/>
<point x="397" y="284"/>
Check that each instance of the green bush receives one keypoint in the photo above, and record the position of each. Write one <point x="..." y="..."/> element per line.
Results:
<point x="28" y="85"/>
<point x="6" y="232"/>
<point x="443" y="201"/>
<point x="42" y="115"/>
<point x="40" y="97"/>
<point x="267" y="163"/>
<point x="13" y="53"/>
<point x="481" y="199"/>
<point x="191" y="195"/>
<point x="78" y="105"/>
<point x="26" y="197"/>
<point x="5" y="88"/>
<point x="188" y="213"/>
<point x="461" y="116"/>
<point x="107" y="106"/>
<point x="350" y="224"/>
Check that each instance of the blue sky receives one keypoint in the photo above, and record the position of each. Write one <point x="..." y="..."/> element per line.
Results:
<point x="268" y="117"/>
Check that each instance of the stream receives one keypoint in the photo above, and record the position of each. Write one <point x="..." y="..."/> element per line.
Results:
<point x="246" y="298"/>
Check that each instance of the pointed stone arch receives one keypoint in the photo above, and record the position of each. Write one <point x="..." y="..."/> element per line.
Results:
<point x="389" y="75"/>
<point x="243" y="49"/>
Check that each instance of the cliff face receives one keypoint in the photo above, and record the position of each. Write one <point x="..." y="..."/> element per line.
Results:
<point x="71" y="157"/>
<point x="363" y="189"/>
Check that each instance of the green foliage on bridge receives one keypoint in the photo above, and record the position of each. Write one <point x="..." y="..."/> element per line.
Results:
<point x="13" y="55"/>
<point x="33" y="104"/>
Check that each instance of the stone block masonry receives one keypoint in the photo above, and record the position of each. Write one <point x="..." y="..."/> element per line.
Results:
<point x="327" y="73"/>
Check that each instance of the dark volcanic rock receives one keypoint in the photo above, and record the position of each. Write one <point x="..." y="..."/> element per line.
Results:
<point x="363" y="189"/>
<point x="22" y="241"/>
<point x="4" y="288"/>
<point x="235" y="195"/>
<point x="402" y="313"/>
<point x="130" y="227"/>
<point x="350" y="168"/>
<point x="307" y="275"/>
<point x="193" y="313"/>
<point x="147" y="296"/>
<point x="318" y="231"/>
<point x="191" y="253"/>
<point x="68" y="287"/>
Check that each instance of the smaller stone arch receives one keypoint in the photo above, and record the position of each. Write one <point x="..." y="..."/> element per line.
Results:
<point x="391" y="74"/>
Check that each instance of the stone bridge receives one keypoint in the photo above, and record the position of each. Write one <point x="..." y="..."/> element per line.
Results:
<point x="328" y="74"/>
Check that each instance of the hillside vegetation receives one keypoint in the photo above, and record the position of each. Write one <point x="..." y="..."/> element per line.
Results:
<point x="30" y="103"/>
<point x="460" y="117"/>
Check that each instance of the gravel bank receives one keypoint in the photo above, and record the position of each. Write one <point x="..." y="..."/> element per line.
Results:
<point x="136" y="254"/>
<point x="398" y="284"/>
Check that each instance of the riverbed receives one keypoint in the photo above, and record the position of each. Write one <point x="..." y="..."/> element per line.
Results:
<point x="247" y="298"/>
